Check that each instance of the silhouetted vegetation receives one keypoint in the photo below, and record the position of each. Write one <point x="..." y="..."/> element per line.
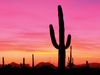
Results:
<point x="61" y="46"/>
<point x="32" y="60"/>
<point x="70" y="59"/>
<point x="3" y="62"/>
<point x="47" y="69"/>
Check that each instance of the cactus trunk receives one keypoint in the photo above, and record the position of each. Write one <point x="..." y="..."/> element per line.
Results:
<point x="61" y="59"/>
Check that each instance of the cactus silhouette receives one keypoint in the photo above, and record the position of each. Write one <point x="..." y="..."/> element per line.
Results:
<point x="61" y="46"/>
<point x="70" y="59"/>
<point x="23" y="62"/>
<point x="3" y="62"/>
<point x="32" y="60"/>
<point x="87" y="64"/>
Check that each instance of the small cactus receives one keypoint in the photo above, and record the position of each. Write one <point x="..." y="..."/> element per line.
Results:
<point x="61" y="46"/>
<point x="87" y="64"/>
<point x="23" y="62"/>
<point x="70" y="59"/>
<point x="3" y="62"/>
<point x="32" y="60"/>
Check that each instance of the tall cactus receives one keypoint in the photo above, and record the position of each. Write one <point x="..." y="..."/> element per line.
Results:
<point x="61" y="46"/>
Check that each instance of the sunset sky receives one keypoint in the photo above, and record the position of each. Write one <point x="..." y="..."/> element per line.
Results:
<point x="24" y="29"/>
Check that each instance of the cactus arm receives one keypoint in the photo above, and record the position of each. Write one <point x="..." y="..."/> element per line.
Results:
<point x="52" y="34"/>
<point x="68" y="41"/>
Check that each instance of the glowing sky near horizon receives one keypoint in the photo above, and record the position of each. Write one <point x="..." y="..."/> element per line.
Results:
<point x="24" y="29"/>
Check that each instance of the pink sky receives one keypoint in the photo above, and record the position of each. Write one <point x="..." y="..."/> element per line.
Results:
<point x="24" y="26"/>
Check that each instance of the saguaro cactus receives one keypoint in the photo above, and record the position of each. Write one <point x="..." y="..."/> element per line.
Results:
<point x="23" y="62"/>
<point x="61" y="46"/>
<point x="3" y="62"/>
<point x="70" y="59"/>
<point x="32" y="60"/>
<point x="87" y="64"/>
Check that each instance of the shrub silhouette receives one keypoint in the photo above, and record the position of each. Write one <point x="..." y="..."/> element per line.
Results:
<point x="61" y="46"/>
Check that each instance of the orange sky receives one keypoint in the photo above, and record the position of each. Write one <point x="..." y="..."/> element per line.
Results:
<point x="49" y="56"/>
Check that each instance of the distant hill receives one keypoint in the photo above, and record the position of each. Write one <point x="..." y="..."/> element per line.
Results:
<point x="93" y="65"/>
<point x="45" y="64"/>
<point x="14" y="64"/>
